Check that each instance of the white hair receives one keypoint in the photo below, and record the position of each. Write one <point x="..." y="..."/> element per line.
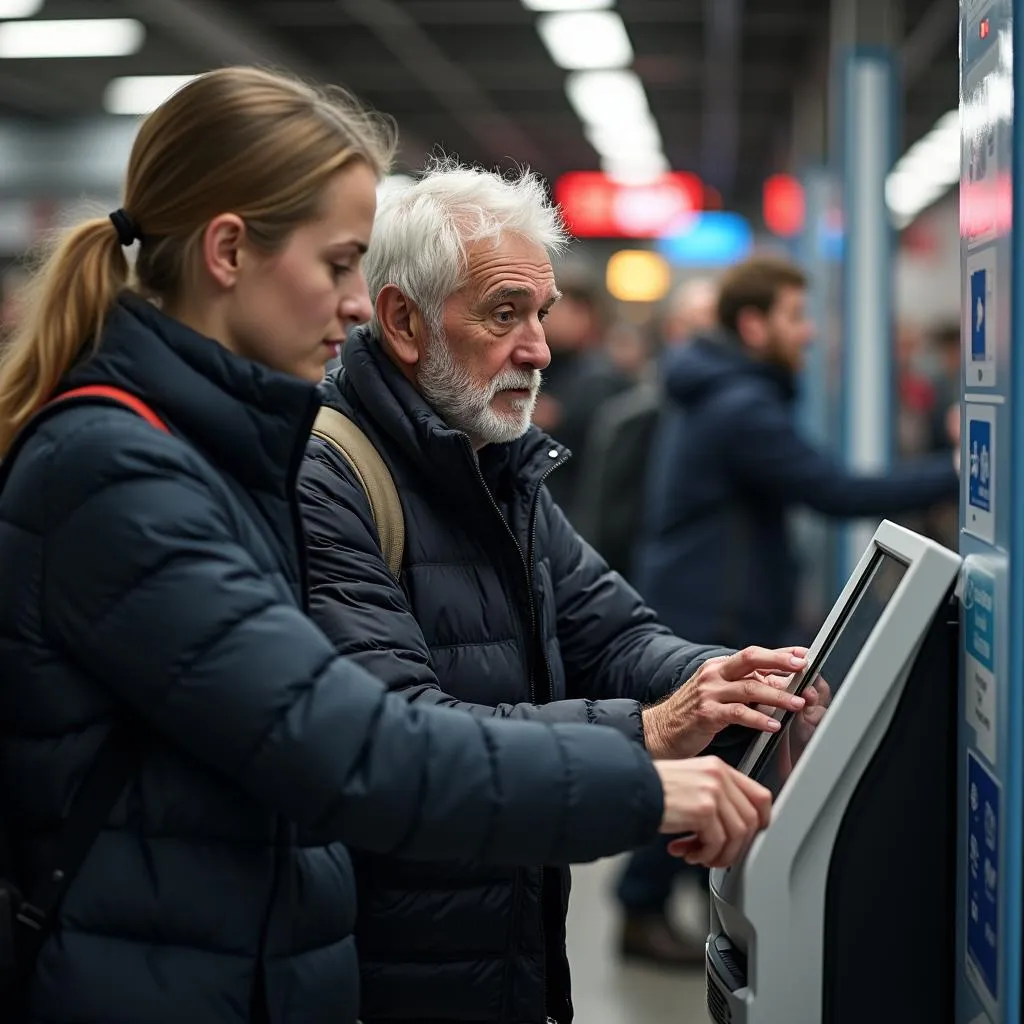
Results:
<point x="423" y="230"/>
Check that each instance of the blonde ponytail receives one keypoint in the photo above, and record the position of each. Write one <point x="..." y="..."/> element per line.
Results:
<point x="68" y="302"/>
<point x="242" y="139"/>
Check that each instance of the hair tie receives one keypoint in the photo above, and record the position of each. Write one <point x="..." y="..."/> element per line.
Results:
<point x="127" y="229"/>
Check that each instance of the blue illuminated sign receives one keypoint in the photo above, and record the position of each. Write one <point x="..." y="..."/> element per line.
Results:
<point x="983" y="873"/>
<point x="979" y="444"/>
<point x="708" y="239"/>
<point x="979" y="289"/>
<point x="979" y="611"/>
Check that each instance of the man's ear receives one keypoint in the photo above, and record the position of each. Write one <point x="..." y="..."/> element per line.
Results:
<point x="402" y="325"/>
<point x="752" y="327"/>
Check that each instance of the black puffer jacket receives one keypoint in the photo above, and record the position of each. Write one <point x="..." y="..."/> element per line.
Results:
<point x="502" y="611"/>
<point x="162" y="577"/>
<point x="727" y="467"/>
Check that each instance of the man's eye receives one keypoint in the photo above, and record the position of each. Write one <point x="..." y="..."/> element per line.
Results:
<point x="504" y="316"/>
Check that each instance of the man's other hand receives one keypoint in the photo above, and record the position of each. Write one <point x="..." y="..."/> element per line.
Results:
<point x="715" y="808"/>
<point x="724" y="692"/>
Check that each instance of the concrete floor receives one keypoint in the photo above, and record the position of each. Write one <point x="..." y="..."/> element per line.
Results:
<point x="605" y="991"/>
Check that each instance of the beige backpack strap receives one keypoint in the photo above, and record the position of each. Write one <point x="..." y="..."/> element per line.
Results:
<point x="374" y="477"/>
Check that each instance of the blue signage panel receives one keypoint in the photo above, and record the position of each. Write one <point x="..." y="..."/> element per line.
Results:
<point x="979" y="444"/>
<point x="978" y="295"/>
<point x="990" y="861"/>
<point x="979" y="624"/>
<point x="982" y="855"/>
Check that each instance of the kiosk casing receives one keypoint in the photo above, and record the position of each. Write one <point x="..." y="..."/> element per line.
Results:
<point x="843" y="910"/>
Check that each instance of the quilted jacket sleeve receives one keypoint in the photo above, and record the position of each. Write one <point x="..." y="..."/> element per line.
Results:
<point x="148" y="590"/>
<point x="363" y="611"/>
<point x="612" y="644"/>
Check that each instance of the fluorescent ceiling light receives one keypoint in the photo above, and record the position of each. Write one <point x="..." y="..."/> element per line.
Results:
<point x="636" y="168"/>
<point x="579" y="40"/>
<point x="20" y="8"/>
<point x="610" y="139"/>
<point x="926" y="171"/>
<point x="95" y="37"/>
<point x="607" y="98"/>
<point x="141" y="94"/>
<point x="567" y="5"/>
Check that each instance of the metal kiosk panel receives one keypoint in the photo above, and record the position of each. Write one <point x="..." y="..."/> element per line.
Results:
<point x="851" y="887"/>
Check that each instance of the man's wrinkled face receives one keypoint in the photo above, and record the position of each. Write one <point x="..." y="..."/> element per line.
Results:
<point x="482" y="370"/>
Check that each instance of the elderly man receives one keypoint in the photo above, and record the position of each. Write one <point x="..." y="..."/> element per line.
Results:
<point x="500" y="608"/>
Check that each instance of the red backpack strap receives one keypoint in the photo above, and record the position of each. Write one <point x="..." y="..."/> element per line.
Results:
<point x="125" y="398"/>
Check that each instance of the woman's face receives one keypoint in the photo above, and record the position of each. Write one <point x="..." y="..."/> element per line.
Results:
<point x="290" y="309"/>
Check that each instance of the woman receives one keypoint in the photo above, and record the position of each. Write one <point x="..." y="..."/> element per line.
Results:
<point x="154" y="589"/>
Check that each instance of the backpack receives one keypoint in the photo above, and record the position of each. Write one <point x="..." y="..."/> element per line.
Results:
<point x="374" y="477"/>
<point x="26" y="919"/>
<point x="614" y="473"/>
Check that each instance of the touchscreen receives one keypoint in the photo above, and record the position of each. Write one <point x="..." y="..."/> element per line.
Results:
<point x="828" y="675"/>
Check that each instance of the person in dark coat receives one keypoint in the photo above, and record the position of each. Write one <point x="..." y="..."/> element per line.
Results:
<point x="728" y="466"/>
<point x="155" y="587"/>
<point x="501" y="610"/>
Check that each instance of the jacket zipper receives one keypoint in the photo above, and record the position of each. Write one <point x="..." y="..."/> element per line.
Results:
<point x="526" y="562"/>
<point x="538" y="639"/>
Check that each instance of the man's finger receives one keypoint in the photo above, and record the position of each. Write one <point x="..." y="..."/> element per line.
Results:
<point x="759" y="659"/>
<point x="760" y="796"/>
<point x="748" y="718"/>
<point x="749" y="691"/>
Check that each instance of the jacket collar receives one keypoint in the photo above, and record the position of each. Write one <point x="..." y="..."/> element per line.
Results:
<point x="400" y="412"/>
<point x="252" y="421"/>
<point x="729" y="349"/>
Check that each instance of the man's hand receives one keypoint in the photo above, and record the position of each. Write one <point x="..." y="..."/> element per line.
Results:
<point x="818" y="696"/>
<point x="723" y="692"/>
<point x="718" y="809"/>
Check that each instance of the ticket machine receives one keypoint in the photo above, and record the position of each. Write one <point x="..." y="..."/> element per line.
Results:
<point x="843" y="910"/>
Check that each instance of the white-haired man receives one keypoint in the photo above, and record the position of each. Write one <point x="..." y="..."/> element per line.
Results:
<point x="500" y="608"/>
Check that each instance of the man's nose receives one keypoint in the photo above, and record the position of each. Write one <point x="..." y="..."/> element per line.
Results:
<point x="534" y="351"/>
<point x="356" y="305"/>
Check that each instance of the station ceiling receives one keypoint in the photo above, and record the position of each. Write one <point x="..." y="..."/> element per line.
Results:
<point x="473" y="77"/>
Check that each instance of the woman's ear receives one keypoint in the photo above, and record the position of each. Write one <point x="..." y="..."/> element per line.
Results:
<point x="222" y="247"/>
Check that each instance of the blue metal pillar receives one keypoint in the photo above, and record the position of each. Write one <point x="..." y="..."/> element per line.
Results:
<point x="868" y="153"/>
<point x="991" y="745"/>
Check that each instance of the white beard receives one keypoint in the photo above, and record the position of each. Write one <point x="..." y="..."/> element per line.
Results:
<point x="467" y="406"/>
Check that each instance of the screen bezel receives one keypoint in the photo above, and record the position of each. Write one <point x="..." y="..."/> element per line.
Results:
<point x="763" y="748"/>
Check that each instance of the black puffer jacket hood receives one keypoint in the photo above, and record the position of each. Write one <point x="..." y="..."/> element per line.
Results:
<point x="713" y="362"/>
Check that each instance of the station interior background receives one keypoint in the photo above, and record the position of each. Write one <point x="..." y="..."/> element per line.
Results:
<point x="678" y="134"/>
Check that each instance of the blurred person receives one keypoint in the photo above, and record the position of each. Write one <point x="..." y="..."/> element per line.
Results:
<point x="691" y="309"/>
<point x="914" y="391"/>
<point x="611" y="518"/>
<point x="728" y="465"/>
<point x="943" y="522"/>
<point x="628" y="349"/>
<point x="183" y="750"/>
<point x="499" y="610"/>
<point x="614" y="465"/>
<point x="580" y="376"/>
<point x="945" y="381"/>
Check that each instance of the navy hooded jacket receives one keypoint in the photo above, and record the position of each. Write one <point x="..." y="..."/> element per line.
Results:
<point x="161" y="577"/>
<point x="501" y="611"/>
<point x="726" y="467"/>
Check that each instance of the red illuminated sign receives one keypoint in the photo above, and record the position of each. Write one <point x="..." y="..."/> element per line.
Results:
<point x="596" y="206"/>
<point x="783" y="205"/>
<point x="983" y="28"/>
